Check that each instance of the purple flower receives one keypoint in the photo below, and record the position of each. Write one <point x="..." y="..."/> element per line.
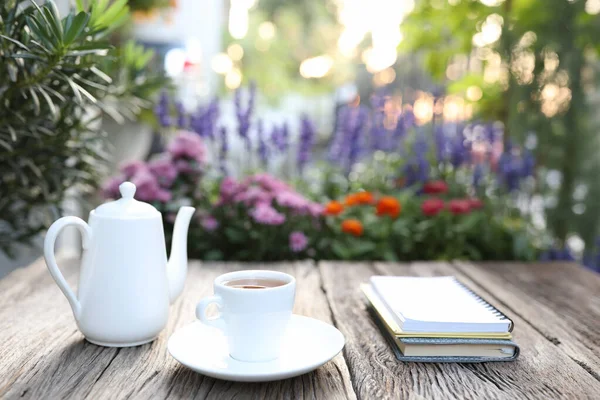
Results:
<point x="263" y="151"/>
<point x="164" y="170"/>
<point x="478" y="173"/>
<point x="162" y="110"/>
<point x="307" y="135"/>
<point x="356" y="136"/>
<point x="188" y="145"/>
<point x="209" y="223"/>
<point x="181" y="117"/>
<point x="244" y="115"/>
<point x="267" y="215"/>
<point x="224" y="150"/>
<point x="280" y="137"/>
<point x="298" y="241"/>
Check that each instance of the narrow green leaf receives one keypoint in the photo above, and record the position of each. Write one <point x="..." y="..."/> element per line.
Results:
<point x="54" y="25"/>
<point x="78" y="25"/>
<point x="101" y="75"/>
<point x="27" y="56"/>
<point x="36" y="101"/>
<point x="40" y="33"/>
<point x="21" y="45"/>
<point x="113" y="13"/>
<point x="79" y="5"/>
<point x="12" y="71"/>
<point x="13" y="133"/>
<point x="49" y="101"/>
<point x="79" y="53"/>
<point x="54" y="93"/>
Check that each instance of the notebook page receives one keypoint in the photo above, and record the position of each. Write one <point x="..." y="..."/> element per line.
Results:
<point x="436" y="299"/>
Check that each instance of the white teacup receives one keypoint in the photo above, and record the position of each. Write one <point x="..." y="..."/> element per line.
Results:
<point x="253" y="319"/>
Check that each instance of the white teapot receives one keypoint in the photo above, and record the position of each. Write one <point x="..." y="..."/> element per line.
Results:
<point x="125" y="281"/>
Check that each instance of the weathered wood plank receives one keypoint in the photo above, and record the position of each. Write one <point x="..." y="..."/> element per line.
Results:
<point x="42" y="355"/>
<point x="540" y="372"/>
<point x="561" y="301"/>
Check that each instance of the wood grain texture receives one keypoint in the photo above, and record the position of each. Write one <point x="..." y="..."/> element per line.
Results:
<point x="43" y="355"/>
<point x="563" y="299"/>
<point x="542" y="371"/>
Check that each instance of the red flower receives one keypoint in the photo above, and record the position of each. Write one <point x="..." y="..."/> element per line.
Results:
<point x="459" y="206"/>
<point x="388" y="205"/>
<point x="475" y="203"/>
<point x="435" y="187"/>
<point x="431" y="207"/>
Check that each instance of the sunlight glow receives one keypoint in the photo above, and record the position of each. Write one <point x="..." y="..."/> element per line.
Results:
<point x="316" y="67"/>
<point x="233" y="79"/>
<point x="235" y="51"/>
<point x="380" y="18"/>
<point x="221" y="63"/>
<point x="238" y="17"/>
<point x="592" y="7"/>
<point x="266" y="30"/>
<point x="491" y="30"/>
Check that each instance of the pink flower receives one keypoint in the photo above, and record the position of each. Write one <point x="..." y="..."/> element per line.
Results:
<point x="188" y="145"/>
<point x="110" y="188"/>
<point x="132" y="167"/>
<point x="252" y="196"/>
<point x="229" y="188"/>
<point x="292" y="200"/>
<point x="164" y="170"/>
<point x="267" y="215"/>
<point x="269" y="182"/>
<point x="298" y="241"/>
<point x="209" y="223"/>
<point x="148" y="189"/>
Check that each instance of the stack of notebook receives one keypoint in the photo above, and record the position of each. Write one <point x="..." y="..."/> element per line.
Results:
<point x="438" y="319"/>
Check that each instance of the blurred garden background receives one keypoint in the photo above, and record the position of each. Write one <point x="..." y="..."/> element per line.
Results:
<point x="338" y="129"/>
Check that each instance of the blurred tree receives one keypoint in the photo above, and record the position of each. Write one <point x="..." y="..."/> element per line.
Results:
<point x="530" y="62"/>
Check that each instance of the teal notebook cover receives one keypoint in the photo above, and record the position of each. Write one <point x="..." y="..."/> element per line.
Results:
<point x="442" y="359"/>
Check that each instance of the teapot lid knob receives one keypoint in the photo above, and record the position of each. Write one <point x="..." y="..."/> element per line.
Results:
<point x="127" y="190"/>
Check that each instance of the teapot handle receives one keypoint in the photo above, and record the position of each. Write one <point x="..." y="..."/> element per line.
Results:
<point x="51" y="236"/>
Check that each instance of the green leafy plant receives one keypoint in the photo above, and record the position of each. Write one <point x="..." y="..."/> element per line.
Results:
<point x="51" y="91"/>
<point x="132" y="87"/>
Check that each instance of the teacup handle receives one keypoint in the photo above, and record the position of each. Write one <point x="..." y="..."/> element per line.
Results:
<point x="51" y="236"/>
<point x="201" y="312"/>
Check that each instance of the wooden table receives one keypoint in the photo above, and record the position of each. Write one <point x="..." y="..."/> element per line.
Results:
<point x="555" y="307"/>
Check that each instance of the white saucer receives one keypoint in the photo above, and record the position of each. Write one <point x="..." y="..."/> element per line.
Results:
<point x="309" y="344"/>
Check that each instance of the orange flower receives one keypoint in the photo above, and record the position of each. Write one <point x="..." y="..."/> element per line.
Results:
<point x="389" y="205"/>
<point x="365" y="198"/>
<point x="359" y="198"/>
<point x="351" y="200"/>
<point x="334" y="208"/>
<point x="353" y="227"/>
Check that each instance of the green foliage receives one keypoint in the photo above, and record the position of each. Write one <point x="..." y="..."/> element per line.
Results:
<point x="51" y="90"/>
<point x="148" y="5"/>
<point x="132" y="88"/>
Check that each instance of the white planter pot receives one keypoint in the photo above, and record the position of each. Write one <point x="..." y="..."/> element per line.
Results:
<point x="130" y="141"/>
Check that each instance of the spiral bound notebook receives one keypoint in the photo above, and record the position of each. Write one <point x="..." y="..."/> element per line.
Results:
<point x="437" y="304"/>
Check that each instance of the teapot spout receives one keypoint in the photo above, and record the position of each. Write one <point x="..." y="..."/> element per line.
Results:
<point x="177" y="265"/>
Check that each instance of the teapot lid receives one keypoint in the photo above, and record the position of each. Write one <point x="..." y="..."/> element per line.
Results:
<point x="126" y="206"/>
